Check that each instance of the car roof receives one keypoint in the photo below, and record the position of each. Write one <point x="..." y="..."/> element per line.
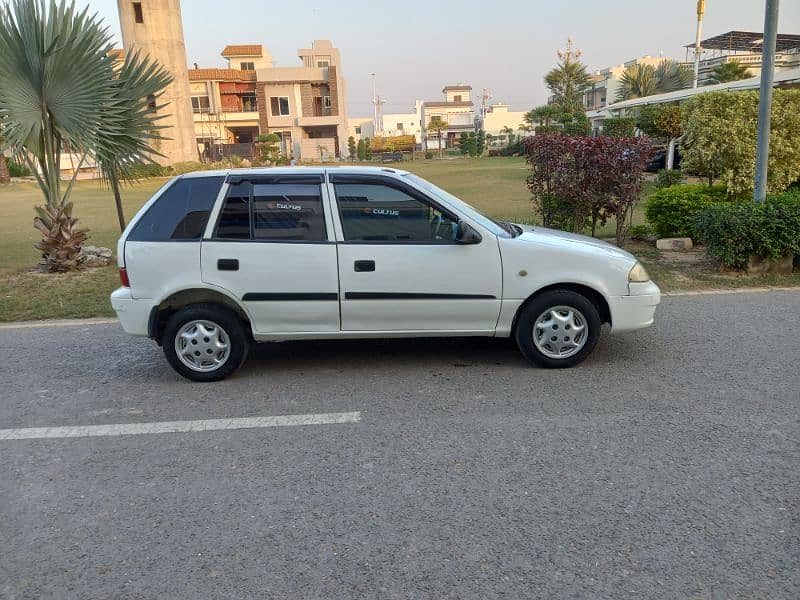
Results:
<point x="296" y="170"/>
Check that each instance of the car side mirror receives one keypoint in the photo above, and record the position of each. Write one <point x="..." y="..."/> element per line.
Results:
<point x="466" y="234"/>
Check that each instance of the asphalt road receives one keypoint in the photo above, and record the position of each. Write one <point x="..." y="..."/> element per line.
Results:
<point x="666" y="466"/>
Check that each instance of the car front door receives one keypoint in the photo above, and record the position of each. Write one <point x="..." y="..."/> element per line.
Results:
<point x="272" y="247"/>
<point x="400" y="266"/>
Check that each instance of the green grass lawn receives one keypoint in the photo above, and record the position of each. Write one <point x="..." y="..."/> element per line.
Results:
<point x="495" y="186"/>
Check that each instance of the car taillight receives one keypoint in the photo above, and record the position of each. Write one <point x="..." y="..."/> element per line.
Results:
<point x="123" y="277"/>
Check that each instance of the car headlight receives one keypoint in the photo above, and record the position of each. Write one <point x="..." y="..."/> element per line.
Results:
<point x="638" y="274"/>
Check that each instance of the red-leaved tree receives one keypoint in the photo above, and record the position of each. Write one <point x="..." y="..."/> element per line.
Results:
<point x="581" y="182"/>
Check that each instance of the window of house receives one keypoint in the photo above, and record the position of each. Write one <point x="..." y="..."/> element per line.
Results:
<point x="247" y="66"/>
<point x="200" y="104"/>
<point x="399" y="127"/>
<point x="279" y="106"/>
<point x="358" y="130"/>
<point x="180" y="213"/>
<point x="323" y="64"/>
<point x="138" y="15"/>
<point x="457" y="98"/>
<point x="290" y="212"/>
<point x="326" y="101"/>
<point x="249" y="102"/>
<point x="380" y="213"/>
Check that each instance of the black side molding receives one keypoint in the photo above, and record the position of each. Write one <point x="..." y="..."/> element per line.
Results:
<point x="414" y="296"/>
<point x="288" y="296"/>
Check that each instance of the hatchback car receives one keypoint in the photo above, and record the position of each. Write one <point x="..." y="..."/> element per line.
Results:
<point x="216" y="261"/>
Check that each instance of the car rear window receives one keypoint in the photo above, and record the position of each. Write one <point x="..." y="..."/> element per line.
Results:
<point x="180" y="213"/>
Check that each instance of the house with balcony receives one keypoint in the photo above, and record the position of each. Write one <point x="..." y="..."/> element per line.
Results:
<point x="457" y="110"/>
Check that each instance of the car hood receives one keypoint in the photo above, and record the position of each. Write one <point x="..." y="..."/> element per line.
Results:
<point x="566" y="240"/>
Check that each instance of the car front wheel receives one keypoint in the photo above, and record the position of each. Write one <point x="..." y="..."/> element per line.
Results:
<point x="558" y="329"/>
<point x="205" y="342"/>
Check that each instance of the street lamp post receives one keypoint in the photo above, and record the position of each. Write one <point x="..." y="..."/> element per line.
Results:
<point x="765" y="98"/>
<point x="701" y="10"/>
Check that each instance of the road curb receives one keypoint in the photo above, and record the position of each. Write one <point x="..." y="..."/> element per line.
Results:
<point x="57" y="323"/>
<point x="745" y="290"/>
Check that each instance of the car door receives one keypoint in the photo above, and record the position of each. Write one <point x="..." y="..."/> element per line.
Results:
<point x="400" y="267"/>
<point x="272" y="247"/>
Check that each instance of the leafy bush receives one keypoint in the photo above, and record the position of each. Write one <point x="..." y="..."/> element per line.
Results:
<point x="619" y="127"/>
<point x="428" y="154"/>
<point x="672" y="211"/>
<point x="733" y="233"/>
<point x="640" y="232"/>
<point x="666" y="179"/>
<point x="143" y="171"/>
<point x="17" y="170"/>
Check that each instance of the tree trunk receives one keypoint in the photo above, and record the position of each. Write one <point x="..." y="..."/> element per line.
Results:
<point x="118" y="200"/>
<point x="5" y="176"/>
<point x="671" y="154"/>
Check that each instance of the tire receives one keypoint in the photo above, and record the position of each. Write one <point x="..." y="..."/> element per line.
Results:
<point x="557" y="312"/>
<point x="207" y="328"/>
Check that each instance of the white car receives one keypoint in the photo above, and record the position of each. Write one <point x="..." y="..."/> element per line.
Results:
<point x="217" y="260"/>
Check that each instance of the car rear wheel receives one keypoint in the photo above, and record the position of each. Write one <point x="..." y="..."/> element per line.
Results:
<point x="558" y="329"/>
<point x="205" y="342"/>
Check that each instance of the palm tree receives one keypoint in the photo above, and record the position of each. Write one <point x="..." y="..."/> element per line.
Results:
<point x="436" y="124"/>
<point x="640" y="80"/>
<point x="729" y="71"/>
<point x="567" y="82"/>
<point x="542" y="115"/>
<point x="5" y="176"/>
<point x="137" y="83"/>
<point x="509" y="133"/>
<point x="59" y="91"/>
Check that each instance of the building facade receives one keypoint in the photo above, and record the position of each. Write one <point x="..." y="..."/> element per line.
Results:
<point x="606" y="82"/>
<point x="457" y="110"/>
<point x="498" y="119"/>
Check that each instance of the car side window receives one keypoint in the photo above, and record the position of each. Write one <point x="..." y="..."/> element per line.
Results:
<point x="381" y="213"/>
<point x="180" y="213"/>
<point x="290" y="212"/>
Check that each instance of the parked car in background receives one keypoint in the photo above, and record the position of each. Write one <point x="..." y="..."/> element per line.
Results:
<point x="659" y="160"/>
<point x="216" y="261"/>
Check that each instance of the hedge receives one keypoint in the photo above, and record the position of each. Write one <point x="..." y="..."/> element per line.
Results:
<point x="734" y="232"/>
<point x="672" y="211"/>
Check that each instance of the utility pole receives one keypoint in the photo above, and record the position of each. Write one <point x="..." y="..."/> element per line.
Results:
<point x="701" y="10"/>
<point x="485" y="96"/>
<point x="377" y="126"/>
<point x="765" y="98"/>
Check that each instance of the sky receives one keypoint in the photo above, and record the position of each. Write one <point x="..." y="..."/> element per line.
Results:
<point x="415" y="47"/>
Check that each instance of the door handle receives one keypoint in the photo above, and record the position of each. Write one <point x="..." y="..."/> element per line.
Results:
<point x="228" y="264"/>
<point x="361" y="266"/>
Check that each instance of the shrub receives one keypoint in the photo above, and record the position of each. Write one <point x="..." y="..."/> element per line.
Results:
<point x="619" y="127"/>
<point x="733" y="233"/>
<point x="672" y="211"/>
<point x="428" y="154"/>
<point x="666" y="179"/>
<point x="17" y="170"/>
<point x="145" y="170"/>
<point x="640" y="232"/>
<point x="180" y="168"/>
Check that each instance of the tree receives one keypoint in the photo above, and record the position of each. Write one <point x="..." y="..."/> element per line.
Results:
<point x="720" y="138"/>
<point x="472" y="144"/>
<point x="267" y="146"/>
<point x="351" y="148"/>
<point x="542" y="116"/>
<point x="509" y="133"/>
<point x="5" y="176"/>
<point x="568" y="82"/>
<point x="436" y="124"/>
<point x="463" y="143"/>
<point x="640" y="80"/>
<point x="367" y="149"/>
<point x="662" y="121"/>
<point x="129" y="144"/>
<point x="59" y="91"/>
<point x="576" y="124"/>
<point x="361" y="150"/>
<point x="480" y="142"/>
<point x="729" y="71"/>
<point x="582" y="180"/>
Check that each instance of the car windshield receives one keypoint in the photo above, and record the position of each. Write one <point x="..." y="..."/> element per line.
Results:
<point x="500" y="229"/>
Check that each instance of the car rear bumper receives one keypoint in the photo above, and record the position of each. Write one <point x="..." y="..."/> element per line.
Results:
<point x="636" y="310"/>
<point x="133" y="314"/>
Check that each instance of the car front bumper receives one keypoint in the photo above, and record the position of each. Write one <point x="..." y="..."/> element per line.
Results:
<point x="132" y="314"/>
<point x="636" y="310"/>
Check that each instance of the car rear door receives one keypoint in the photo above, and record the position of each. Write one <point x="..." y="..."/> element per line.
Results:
<point x="273" y="248"/>
<point x="400" y="268"/>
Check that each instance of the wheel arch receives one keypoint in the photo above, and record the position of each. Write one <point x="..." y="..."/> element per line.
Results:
<point x="161" y="312"/>
<point x="594" y="296"/>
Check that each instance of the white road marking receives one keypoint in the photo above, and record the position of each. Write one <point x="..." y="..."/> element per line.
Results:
<point x="36" y="433"/>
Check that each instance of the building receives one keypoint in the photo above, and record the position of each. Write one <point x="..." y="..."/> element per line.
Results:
<point x="498" y="118"/>
<point x="457" y="110"/>
<point x="744" y="47"/>
<point x="394" y="124"/>
<point x="606" y="82"/>
<point x="304" y="105"/>
<point x="155" y="28"/>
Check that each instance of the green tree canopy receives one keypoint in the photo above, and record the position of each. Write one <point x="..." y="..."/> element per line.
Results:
<point x="729" y="71"/>
<point x="567" y="83"/>
<point x="640" y="80"/>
